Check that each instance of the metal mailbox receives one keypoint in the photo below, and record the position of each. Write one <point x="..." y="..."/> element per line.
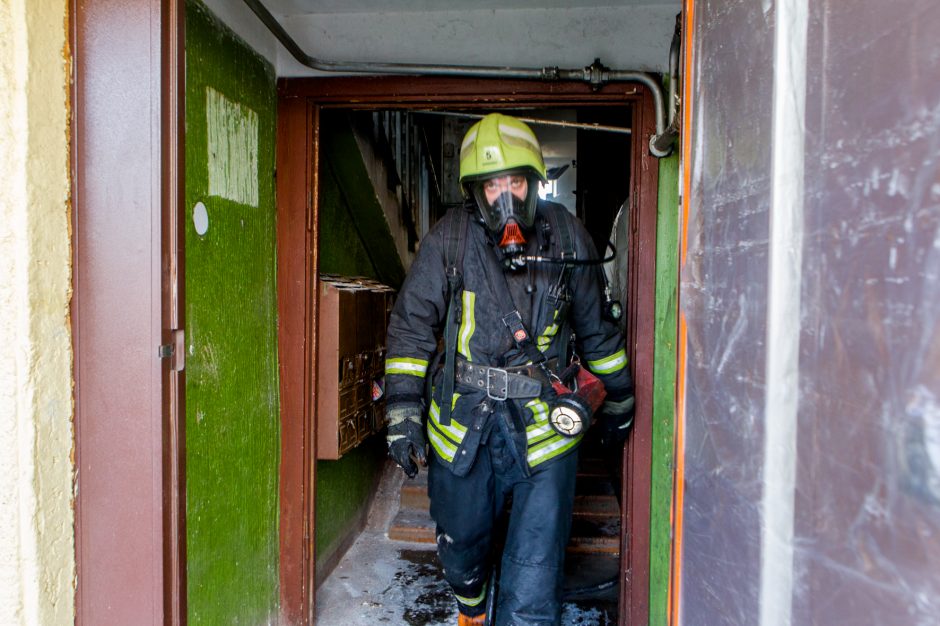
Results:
<point x="352" y="322"/>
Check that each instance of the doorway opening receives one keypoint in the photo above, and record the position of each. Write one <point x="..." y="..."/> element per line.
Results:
<point x="404" y="151"/>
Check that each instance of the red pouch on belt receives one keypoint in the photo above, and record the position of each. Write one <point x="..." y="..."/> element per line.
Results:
<point x="591" y="389"/>
<point x="572" y="411"/>
<point x="588" y="388"/>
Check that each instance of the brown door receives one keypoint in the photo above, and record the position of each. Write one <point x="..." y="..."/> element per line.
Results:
<point x="126" y="159"/>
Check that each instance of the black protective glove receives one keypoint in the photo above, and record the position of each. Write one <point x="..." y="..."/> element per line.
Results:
<point x="617" y="419"/>
<point x="406" y="441"/>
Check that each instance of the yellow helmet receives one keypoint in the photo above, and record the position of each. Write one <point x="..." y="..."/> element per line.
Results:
<point x="500" y="145"/>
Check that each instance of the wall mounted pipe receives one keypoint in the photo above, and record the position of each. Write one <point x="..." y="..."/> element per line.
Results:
<point x="538" y="122"/>
<point x="596" y="74"/>
<point x="661" y="144"/>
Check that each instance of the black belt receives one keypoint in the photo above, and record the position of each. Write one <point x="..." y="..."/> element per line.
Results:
<point x="502" y="383"/>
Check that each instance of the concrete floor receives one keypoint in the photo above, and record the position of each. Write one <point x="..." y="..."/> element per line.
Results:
<point x="380" y="581"/>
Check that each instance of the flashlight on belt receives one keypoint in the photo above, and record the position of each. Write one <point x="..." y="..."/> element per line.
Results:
<point x="573" y="409"/>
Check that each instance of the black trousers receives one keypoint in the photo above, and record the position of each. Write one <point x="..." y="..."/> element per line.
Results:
<point x="466" y="510"/>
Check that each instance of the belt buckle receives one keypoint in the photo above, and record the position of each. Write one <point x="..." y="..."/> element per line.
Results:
<point x="490" y="372"/>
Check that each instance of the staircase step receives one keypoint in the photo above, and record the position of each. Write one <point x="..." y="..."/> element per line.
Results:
<point x="414" y="526"/>
<point x="595" y="527"/>
<point x="414" y="533"/>
<point x="415" y="497"/>
<point x="593" y="479"/>
<point x="596" y="506"/>
<point x="593" y="485"/>
<point x="593" y="467"/>
<point x="594" y="545"/>
<point x="600" y="535"/>
<point x="592" y="577"/>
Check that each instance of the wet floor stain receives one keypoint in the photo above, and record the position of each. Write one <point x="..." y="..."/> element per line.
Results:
<point x="381" y="583"/>
<point x="434" y="603"/>
<point x="588" y="614"/>
<point x="429" y="608"/>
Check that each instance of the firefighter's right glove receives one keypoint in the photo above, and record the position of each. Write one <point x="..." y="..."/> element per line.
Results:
<point x="617" y="419"/>
<point x="406" y="441"/>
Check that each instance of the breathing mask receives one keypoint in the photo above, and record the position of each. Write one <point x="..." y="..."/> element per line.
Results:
<point x="506" y="203"/>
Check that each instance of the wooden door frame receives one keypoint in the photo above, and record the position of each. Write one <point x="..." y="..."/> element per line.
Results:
<point x="299" y="104"/>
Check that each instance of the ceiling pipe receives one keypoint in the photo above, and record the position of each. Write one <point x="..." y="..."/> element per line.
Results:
<point x="596" y="74"/>
<point x="539" y="122"/>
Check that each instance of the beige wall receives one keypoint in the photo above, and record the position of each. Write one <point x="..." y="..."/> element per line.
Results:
<point x="37" y="568"/>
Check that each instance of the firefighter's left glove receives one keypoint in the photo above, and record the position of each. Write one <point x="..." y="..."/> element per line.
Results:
<point x="406" y="441"/>
<point x="617" y="418"/>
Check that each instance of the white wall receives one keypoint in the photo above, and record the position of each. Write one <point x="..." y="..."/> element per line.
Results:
<point x="37" y="571"/>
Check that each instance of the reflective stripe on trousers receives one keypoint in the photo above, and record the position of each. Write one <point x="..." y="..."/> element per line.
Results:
<point x="466" y="509"/>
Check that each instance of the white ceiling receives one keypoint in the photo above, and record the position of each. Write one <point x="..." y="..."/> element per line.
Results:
<point x="298" y="7"/>
<point x="631" y="35"/>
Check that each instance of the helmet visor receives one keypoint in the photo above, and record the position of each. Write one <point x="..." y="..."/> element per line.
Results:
<point x="507" y="195"/>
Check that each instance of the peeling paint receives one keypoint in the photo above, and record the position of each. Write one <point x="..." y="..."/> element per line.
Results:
<point x="232" y="131"/>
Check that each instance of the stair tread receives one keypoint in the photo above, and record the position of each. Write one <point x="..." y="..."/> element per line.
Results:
<point x="412" y="525"/>
<point x="592" y="466"/>
<point x="587" y="534"/>
<point x="591" y="485"/>
<point x="591" y="576"/>
<point x="596" y="505"/>
<point x="414" y="497"/>
<point x="594" y="545"/>
<point x="595" y="528"/>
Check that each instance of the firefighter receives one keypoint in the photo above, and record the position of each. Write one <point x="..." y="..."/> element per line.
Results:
<point x="482" y="328"/>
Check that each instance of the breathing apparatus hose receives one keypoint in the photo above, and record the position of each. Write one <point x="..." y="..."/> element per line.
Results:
<point x="521" y="259"/>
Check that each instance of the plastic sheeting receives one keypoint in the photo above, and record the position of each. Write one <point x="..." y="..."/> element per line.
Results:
<point x="852" y="532"/>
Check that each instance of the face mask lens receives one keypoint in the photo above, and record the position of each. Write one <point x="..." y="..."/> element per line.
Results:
<point x="525" y="210"/>
<point x="507" y="196"/>
<point x="503" y="207"/>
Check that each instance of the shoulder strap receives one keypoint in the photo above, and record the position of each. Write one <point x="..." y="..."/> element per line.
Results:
<point x="454" y="247"/>
<point x="455" y="241"/>
<point x="561" y="225"/>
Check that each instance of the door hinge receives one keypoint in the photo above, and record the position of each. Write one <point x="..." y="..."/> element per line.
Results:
<point x="175" y="351"/>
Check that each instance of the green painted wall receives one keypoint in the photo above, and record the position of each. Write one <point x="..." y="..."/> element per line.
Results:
<point x="355" y="240"/>
<point x="664" y="386"/>
<point x="232" y="423"/>
<point x="343" y="489"/>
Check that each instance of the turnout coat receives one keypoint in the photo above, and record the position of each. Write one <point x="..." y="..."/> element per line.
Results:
<point x="553" y="301"/>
